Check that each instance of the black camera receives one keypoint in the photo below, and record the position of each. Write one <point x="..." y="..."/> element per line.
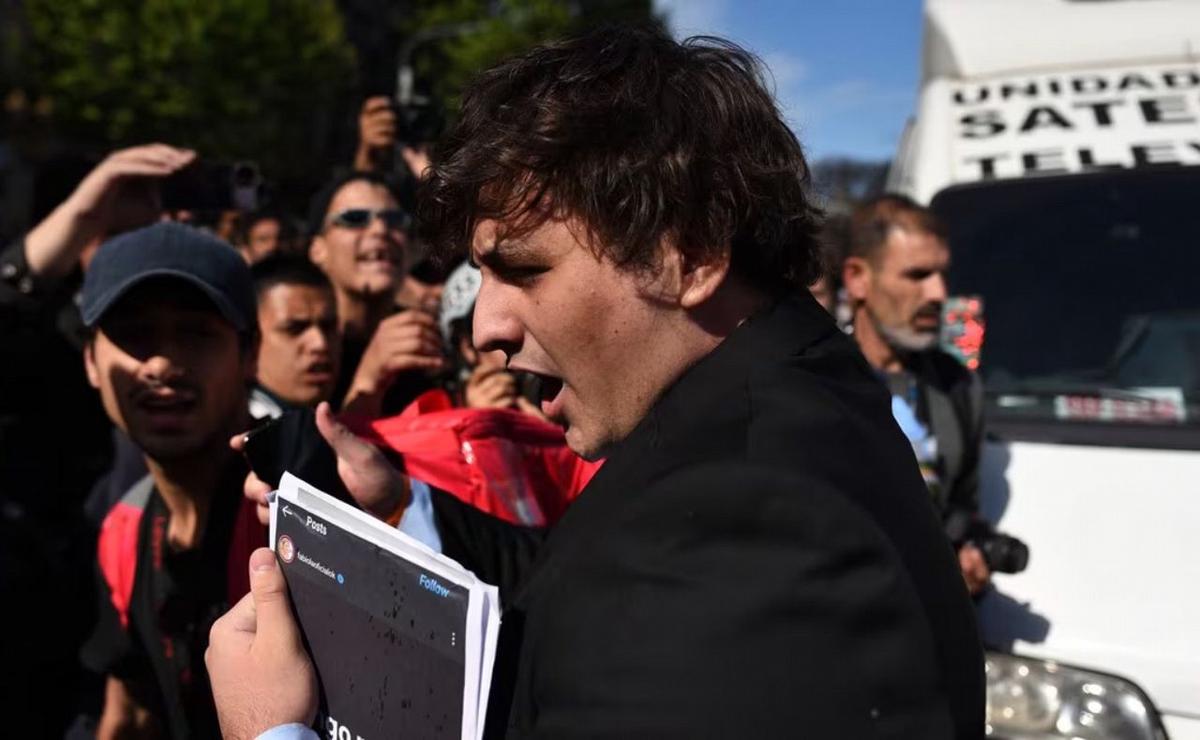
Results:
<point x="1003" y="553"/>
<point x="418" y="123"/>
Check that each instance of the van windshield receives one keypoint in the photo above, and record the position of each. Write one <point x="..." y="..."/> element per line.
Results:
<point x="1091" y="293"/>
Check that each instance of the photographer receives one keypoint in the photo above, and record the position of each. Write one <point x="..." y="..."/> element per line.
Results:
<point x="380" y="129"/>
<point x="894" y="275"/>
<point x="395" y="142"/>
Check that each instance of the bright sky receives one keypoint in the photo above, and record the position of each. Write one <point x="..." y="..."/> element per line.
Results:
<point x="845" y="70"/>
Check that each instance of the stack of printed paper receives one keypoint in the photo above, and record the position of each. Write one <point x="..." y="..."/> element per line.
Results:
<point x="403" y="639"/>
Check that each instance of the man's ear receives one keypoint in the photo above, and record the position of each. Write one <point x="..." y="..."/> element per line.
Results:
<point x="89" y="362"/>
<point x="318" y="251"/>
<point x="856" y="277"/>
<point x="700" y="276"/>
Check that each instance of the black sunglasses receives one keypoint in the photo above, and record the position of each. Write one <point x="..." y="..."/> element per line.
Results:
<point x="360" y="218"/>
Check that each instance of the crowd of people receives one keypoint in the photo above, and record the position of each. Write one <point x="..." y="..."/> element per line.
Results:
<point x="628" y="241"/>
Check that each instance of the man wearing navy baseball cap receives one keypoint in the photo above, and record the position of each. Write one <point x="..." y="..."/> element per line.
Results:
<point x="172" y="352"/>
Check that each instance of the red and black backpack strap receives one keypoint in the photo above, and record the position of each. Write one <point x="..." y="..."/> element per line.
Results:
<point x="117" y="547"/>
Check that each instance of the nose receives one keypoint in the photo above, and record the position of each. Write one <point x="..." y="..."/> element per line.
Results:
<point x="495" y="325"/>
<point x="395" y="239"/>
<point x="935" y="288"/>
<point x="316" y="340"/>
<point x="160" y="369"/>
<point x="376" y="225"/>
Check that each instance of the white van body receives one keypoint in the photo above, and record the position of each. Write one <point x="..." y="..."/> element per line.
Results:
<point x="1048" y="125"/>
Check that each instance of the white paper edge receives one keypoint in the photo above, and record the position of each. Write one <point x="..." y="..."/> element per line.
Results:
<point x="491" y="633"/>
<point x="273" y="503"/>
<point x="471" y="660"/>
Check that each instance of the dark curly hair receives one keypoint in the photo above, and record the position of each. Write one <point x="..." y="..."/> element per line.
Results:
<point x="640" y="138"/>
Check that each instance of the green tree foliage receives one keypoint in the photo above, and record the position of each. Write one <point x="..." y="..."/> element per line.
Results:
<point x="273" y="81"/>
<point x="252" y="79"/>
<point x="466" y="36"/>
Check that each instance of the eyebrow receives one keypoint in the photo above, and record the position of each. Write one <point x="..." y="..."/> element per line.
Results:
<point x="501" y="253"/>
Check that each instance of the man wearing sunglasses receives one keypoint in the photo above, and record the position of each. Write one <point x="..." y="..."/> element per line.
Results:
<point x="360" y="240"/>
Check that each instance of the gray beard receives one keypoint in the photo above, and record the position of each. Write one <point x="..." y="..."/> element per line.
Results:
<point x="903" y="339"/>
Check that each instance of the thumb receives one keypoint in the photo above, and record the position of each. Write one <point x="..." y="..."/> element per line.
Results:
<point x="270" y="592"/>
<point x="346" y="445"/>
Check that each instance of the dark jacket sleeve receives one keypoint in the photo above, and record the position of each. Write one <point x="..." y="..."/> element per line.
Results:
<point x="496" y="551"/>
<point x="20" y="290"/>
<point x="965" y="494"/>
<point x="16" y="286"/>
<point x="742" y="602"/>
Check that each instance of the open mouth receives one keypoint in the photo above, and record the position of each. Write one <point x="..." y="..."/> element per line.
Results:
<point x="928" y="316"/>
<point x="377" y="259"/>
<point x="550" y="395"/>
<point x="319" y="372"/>
<point x="544" y="389"/>
<point x="168" y="407"/>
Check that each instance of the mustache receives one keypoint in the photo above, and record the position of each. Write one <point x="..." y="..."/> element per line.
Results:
<point x="929" y="311"/>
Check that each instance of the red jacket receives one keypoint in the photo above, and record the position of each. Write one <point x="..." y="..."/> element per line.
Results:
<point x="504" y="462"/>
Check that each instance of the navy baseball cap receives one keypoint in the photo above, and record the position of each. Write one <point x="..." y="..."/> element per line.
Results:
<point x="172" y="250"/>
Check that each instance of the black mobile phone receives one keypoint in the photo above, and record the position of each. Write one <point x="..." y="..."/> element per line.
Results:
<point x="293" y="444"/>
<point x="211" y="186"/>
<point x="261" y="448"/>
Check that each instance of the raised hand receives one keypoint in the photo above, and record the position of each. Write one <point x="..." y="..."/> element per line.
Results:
<point x="403" y="342"/>
<point x="377" y="487"/>
<point x="376" y="133"/>
<point x="119" y="194"/>
<point x="490" y="388"/>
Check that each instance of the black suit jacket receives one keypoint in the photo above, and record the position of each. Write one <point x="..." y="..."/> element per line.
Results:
<point x="758" y="559"/>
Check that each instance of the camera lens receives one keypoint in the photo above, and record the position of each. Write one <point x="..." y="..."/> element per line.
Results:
<point x="1005" y="554"/>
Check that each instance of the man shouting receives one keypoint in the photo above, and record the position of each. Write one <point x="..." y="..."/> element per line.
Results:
<point x="758" y="556"/>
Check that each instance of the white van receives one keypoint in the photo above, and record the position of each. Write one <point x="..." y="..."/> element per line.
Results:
<point x="1060" y="141"/>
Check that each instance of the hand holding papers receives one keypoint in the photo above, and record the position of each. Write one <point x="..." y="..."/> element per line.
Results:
<point x="403" y="639"/>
